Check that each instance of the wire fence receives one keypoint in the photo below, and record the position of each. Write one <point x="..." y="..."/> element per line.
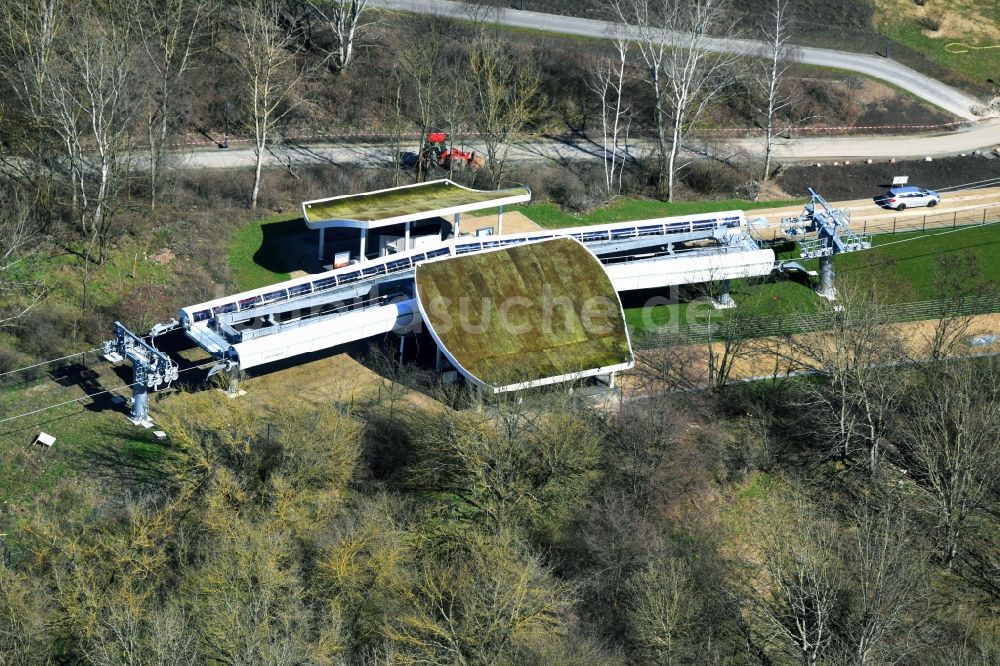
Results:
<point x="899" y="224"/>
<point x="789" y="324"/>
<point x="54" y="369"/>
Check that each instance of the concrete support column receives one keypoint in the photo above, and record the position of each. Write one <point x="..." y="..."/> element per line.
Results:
<point x="438" y="360"/>
<point x="458" y="224"/>
<point x="361" y="245"/>
<point x="724" y="296"/>
<point x="406" y="236"/>
<point x="140" y="401"/>
<point x="233" y="390"/>
<point x="500" y="221"/>
<point x="724" y="301"/>
<point x="402" y="348"/>
<point x="826" y="278"/>
<point x="322" y="239"/>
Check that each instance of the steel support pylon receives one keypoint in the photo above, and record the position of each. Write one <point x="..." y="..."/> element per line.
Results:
<point x="150" y="369"/>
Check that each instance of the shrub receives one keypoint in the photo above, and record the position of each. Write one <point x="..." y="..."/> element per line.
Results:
<point x="931" y="23"/>
<point x="710" y="177"/>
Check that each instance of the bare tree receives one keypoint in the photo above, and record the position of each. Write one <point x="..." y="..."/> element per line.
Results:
<point x="608" y="83"/>
<point x="957" y="278"/>
<point x="797" y="595"/>
<point x="715" y="343"/>
<point x="950" y="439"/>
<point x="267" y="61"/>
<point x="29" y="31"/>
<point x="776" y="32"/>
<point x="664" y="611"/>
<point x="343" y="17"/>
<point x="888" y="584"/>
<point x="506" y="93"/>
<point x="18" y="240"/>
<point x="172" y="38"/>
<point x="851" y="411"/>
<point x="94" y="97"/>
<point x="675" y="39"/>
<point x="421" y="61"/>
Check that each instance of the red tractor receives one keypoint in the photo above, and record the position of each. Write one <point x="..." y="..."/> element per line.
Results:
<point x="436" y="152"/>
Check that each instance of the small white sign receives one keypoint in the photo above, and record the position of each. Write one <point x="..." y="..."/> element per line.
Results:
<point x="900" y="180"/>
<point x="341" y="259"/>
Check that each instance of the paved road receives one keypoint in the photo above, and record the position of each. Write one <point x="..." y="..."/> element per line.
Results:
<point x="922" y="86"/>
<point x="982" y="135"/>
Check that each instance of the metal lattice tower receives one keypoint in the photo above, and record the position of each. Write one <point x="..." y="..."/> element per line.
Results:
<point x="829" y="233"/>
<point x="151" y="368"/>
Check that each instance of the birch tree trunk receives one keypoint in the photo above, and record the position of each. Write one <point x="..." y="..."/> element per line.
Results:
<point x="776" y="32"/>
<point x="266" y="60"/>
<point x="675" y="39"/>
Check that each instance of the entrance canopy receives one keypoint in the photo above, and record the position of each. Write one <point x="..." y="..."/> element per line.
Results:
<point x="372" y="210"/>
<point x="525" y="315"/>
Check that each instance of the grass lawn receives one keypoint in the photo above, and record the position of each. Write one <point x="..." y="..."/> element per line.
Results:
<point x="904" y="265"/>
<point x="250" y="257"/>
<point x="975" y="64"/>
<point x="124" y="269"/>
<point x="94" y="441"/>
<point x="908" y="262"/>
<point x="551" y="216"/>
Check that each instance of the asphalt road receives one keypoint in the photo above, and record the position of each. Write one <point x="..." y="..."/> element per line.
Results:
<point x="982" y="135"/>
<point x="924" y="87"/>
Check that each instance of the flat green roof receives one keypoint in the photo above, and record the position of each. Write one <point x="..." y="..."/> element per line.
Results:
<point x="525" y="314"/>
<point x="400" y="204"/>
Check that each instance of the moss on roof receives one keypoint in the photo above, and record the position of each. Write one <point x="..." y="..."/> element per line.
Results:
<point x="373" y="206"/>
<point x="525" y="313"/>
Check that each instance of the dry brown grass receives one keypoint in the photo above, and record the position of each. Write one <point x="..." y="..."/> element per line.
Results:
<point x="967" y="20"/>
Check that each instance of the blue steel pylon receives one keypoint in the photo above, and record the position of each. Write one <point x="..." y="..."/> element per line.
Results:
<point x="150" y="368"/>
<point x="830" y="233"/>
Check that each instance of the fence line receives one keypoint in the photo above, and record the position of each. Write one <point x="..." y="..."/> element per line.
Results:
<point x="790" y="324"/>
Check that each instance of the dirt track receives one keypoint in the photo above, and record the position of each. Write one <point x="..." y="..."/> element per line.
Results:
<point x="959" y="208"/>
<point x="762" y="361"/>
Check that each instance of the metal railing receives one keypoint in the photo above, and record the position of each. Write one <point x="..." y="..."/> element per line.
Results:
<point x="724" y="327"/>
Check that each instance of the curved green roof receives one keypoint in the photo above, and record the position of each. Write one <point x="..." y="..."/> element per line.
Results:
<point x="525" y="315"/>
<point x="410" y="202"/>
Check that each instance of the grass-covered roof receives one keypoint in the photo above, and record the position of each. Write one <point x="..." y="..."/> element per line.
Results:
<point x="397" y="204"/>
<point x="525" y="313"/>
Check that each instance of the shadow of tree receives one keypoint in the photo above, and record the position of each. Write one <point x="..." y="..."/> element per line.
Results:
<point x="125" y="455"/>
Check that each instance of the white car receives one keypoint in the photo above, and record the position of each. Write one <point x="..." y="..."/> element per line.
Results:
<point x="902" y="198"/>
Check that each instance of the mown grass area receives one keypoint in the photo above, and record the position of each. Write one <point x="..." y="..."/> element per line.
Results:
<point x="93" y="437"/>
<point x="251" y="261"/>
<point x="908" y="263"/>
<point x="975" y="64"/>
<point x="766" y="299"/>
<point x="903" y="267"/>
<point x="551" y="216"/>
